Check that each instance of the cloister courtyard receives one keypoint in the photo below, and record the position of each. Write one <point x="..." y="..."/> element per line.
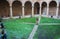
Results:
<point x="48" y="28"/>
<point x="31" y="19"/>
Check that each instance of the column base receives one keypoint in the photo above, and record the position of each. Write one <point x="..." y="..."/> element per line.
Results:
<point x="11" y="17"/>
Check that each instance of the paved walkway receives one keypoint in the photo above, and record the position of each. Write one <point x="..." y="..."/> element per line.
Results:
<point x="33" y="32"/>
<point x="49" y="24"/>
<point x="43" y="23"/>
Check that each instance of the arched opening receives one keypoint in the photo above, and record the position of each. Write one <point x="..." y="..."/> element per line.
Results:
<point x="4" y="9"/>
<point x="52" y="8"/>
<point x="59" y="9"/>
<point x="28" y="8"/>
<point x="44" y="8"/>
<point x="36" y="8"/>
<point x="17" y="8"/>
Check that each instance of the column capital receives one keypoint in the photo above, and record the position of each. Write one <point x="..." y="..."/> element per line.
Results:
<point x="32" y="6"/>
<point x="22" y="6"/>
<point x="10" y="6"/>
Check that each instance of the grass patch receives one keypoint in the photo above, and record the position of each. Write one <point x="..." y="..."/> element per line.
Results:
<point x="16" y="27"/>
<point x="48" y="32"/>
<point x="30" y="20"/>
<point x="49" y="20"/>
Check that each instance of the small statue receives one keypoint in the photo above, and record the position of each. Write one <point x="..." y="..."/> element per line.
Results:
<point x="37" y="20"/>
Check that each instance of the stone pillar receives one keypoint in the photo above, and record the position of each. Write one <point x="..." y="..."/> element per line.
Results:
<point x="11" y="14"/>
<point x="32" y="11"/>
<point x="40" y="10"/>
<point x="47" y="9"/>
<point x="57" y="11"/>
<point x="40" y="13"/>
<point x="22" y="10"/>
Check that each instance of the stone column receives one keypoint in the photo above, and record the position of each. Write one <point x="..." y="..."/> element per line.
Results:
<point x="47" y="9"/>
<point x="40" y="10"/>
<point x="22" y="10"/>
<point x="57" y="11"/>
<point x="40" y="13"/>
<point x="32" y="11"/>
<point x="11" y="14"/>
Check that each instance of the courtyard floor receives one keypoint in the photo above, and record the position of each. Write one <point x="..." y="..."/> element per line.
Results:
<point x="21" y="28"/>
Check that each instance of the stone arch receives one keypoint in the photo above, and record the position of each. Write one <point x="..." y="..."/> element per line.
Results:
<point x="17" y="8"/>
<point x="28" y="8"/>
<point x="52" y="8"/>
<point x="4" y="8"/>
<point x="44" y="8"/>
<point x="36" y="8"/>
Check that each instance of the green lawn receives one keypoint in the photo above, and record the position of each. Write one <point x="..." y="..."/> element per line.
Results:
<point x="49" y="20"/>
<point x="28" y="20"/>
<point x="48" y="31"/>
<point x="16" y="27"/>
